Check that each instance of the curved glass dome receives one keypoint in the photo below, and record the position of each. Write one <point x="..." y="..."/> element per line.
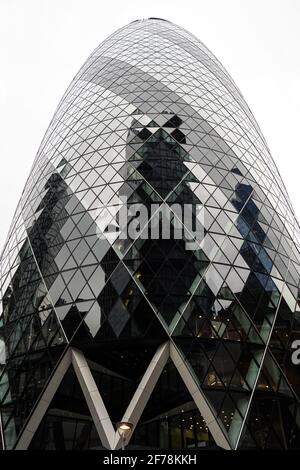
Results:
<point x="190" y="342"/>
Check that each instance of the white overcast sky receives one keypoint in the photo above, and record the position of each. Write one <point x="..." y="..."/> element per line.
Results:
<point x="44" y="42"/>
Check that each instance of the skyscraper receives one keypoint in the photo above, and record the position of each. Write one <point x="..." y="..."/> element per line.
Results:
<point x="188" y="342"/>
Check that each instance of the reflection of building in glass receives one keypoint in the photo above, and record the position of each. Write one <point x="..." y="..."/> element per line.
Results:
<point x="193" y="347"/>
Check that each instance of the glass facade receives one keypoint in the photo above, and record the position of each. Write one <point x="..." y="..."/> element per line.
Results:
<point x="151" y="116"/>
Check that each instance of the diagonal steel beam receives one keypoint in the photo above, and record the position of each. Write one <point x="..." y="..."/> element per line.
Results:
<point x="94" y="400"/>
<point x="44" y="402"/>
<point x="215" y="426"/>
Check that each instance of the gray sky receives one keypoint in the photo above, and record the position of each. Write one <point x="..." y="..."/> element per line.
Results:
<point x="44" y="42"/>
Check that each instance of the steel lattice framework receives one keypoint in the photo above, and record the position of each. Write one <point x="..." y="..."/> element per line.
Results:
<point x="154" y="116"/>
